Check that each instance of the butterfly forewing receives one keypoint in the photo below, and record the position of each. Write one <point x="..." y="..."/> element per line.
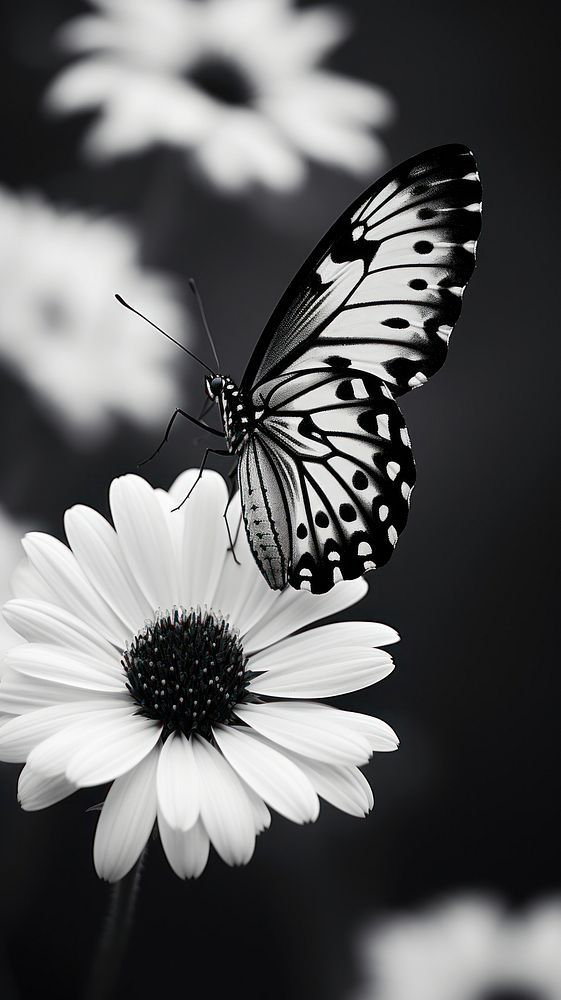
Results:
<point x="327" y="471"/>
<point x="383" y="289"/>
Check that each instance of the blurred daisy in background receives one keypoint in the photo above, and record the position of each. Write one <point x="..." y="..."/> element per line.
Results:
<point x="156" y="662"/>
<point x="10" y="556"/>
<point x="63" y="333"/>
<point x="467" y="948"/>
<point x="234" y="84"/>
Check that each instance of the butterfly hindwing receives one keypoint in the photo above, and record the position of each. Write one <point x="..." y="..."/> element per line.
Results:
<point x="383" y="289"/>
<point x="326" y="478"/>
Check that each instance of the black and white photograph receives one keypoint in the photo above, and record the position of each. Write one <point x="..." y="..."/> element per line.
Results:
<point x="279" y="483"/>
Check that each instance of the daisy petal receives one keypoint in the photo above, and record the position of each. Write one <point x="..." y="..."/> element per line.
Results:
<point x="19" y="735"/>
<point x="26" y="582"/>
<point x="205" y="540"/>
<point x="224" y="163"/>
<point x="56" y="564"/>
<point x="51" y="755"/>
<point x="126" y="820"/>
<point x="267" y="155"/>
<point x="295" y="609"/>
<point x="380" y="736"/>
<point x="81" y="86"/>
<point x="64" y="666"/>
<point x="171" y="500"/>
<point x="261" y="815"/>
<point x="39" y="621"/>
<point x="177" y="783"/>
<point x="305" y="732"/>
<point x="339" y="673"/>
<point x="275" y="778"/>
<point x="85" y="33"/>
<point x="20" y="694"/>
<point x="35" y="791"/>
<point x="334" y="659"/>
<point x="186" y="850"/>
<point x="314" y="34"/>
<point x="145" y="540"/>
<point x="351" y="635"/>
<point x="225" y="809"/>
<point x="346" y="788"/>
<point x="96" y="547"/>
<point x="107" y="752"/>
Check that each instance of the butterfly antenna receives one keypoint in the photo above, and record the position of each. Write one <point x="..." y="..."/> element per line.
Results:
<point x="122" y="302"/>
<point x="199" y="301"/>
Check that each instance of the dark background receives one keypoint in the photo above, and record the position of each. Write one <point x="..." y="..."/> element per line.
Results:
<point x="471" y="799"/>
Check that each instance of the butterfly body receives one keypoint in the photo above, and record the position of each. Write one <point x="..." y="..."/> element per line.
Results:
<point x="325" y="465"/>
<point x="236" y="411"/>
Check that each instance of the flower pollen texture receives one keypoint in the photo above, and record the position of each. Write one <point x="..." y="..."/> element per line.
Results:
<point x="187" y="670"/>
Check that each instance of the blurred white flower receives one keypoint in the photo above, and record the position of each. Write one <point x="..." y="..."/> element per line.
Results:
<point x="61" y="329"/>
<point x="156" y="662"/>
<point x="232" y="83"/>
<point x="467" y="948"/>
<point x="10" y="555"/>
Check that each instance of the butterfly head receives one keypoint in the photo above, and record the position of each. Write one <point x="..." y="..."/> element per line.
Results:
<point x="214" y="386"/>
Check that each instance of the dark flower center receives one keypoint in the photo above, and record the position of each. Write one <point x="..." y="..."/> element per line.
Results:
<point x="187" y="670"/>
<point x="223" y="80"/>
<point x="511" y="993"/>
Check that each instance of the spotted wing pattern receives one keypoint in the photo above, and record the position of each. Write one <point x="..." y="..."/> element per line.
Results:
<point x="383" y="289"/>
<point x="327" y="471"/>
<point x="325" y="479"/>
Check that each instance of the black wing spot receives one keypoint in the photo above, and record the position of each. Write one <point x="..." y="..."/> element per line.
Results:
<point x="316" y="283"/>
<point x="346" y="249"/>
<point x="347" y="512"/>
<point x="423" y="246"/>
<point x="308" y="429"/>
<point x="396" y="323"/>
<point x="431" y="324"/>
<point x="302" y="531"/>
<point x="367" y="421"/>
<point x="337" y="362"/>
<point x="426" y="213"/>
<point x="321" y="519"/>
<point x="419" y="189"/>
<point x="345" y="390"/>
<point x="419" y="284"/>
<point x="360" y="480"/>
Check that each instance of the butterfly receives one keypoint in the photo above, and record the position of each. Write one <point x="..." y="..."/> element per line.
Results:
<point x="325" y="467"/>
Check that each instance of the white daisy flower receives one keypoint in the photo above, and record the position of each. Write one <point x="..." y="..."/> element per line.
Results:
<point x="467" y="948"/>
<point x="232" y="83"/>
<point x="61" y="329"/>
<point x="156" y="662"/>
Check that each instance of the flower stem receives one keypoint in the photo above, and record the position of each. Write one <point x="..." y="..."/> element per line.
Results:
<point x="106" y="968"/>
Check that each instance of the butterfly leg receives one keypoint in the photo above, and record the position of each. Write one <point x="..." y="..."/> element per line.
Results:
<point x="208" y="451"/>
<point x="206" y="408"/>
<point x="193" y="420"/>
<point x="232" y="541"/>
